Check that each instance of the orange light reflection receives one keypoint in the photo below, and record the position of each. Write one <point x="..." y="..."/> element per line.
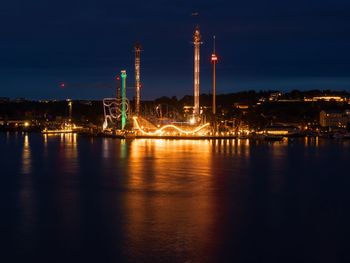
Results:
<point x="162" y="185"/>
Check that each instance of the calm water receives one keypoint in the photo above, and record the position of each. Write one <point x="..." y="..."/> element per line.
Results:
<point x="73" y="199"/>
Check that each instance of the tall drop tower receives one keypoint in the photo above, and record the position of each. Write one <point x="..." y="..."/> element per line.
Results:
<point x="137" y="77"/>
<point x="214" y="60"/>
<point x="197" y="42"/>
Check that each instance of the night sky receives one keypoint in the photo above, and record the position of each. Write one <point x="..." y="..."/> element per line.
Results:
<point x="272" y="44"/>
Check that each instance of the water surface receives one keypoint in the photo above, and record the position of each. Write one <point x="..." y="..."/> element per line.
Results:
<point x="67" y="198"/>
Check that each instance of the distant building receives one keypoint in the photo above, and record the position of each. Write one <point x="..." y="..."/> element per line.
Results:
<point x="275" y="96"/>
<point x="241" y="106"/>
<point x="326" y="98"/>
<point x="334" y="118"/>
<point x="281" y="130"/>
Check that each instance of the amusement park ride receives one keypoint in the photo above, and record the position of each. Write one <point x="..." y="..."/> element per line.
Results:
<point x="118" y="119"/>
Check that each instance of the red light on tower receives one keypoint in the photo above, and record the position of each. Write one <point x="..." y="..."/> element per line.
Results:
<point x="214" y="58"/>
<point x="62" y="85"/>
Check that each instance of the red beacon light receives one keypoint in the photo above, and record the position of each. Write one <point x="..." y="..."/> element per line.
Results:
<point x="214" y="58"/>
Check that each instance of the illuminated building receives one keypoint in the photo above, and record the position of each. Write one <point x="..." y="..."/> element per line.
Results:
<point x="327" y="98"/>
<point x="281" y="130"/>
<point x="275" y="96"/>
<point x="241" y="106"/>
<point x="197" y="42"/>
<point x="137" y="78"/>
<point x="334" y="118"/>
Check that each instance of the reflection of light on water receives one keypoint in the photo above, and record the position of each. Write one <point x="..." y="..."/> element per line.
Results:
<point x="69" y="152"/>
<point x="111" y="148"/>
<point x="236" y="147"/>
<point x="123" y="149"/>
<point x="278" y="162"/>
<point x="278" y="149"/>
<point x="26" y="156"/>
<point x="161" y="163"/>
<point x="72" y="151"/>
<point x="45" y="145"/>
<point x="169" y="182"/>
<point x="311" y="141"/>
<point x="105" y="148"/>
<point x="278" y="153"/>
<point x="75" y="139"/>
<point x="26" y="193"/>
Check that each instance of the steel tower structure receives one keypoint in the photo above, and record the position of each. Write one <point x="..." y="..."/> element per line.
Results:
<point x="197" y="42"/>
<point x="118" y="95"/>
<point x="123" y="117"/>
<point x="137" y="78"/>
<point x="214" y="60"/>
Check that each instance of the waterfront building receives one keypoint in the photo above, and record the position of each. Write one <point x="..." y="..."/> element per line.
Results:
<point x="334" y="118"/>
<point x="325" y="98"/>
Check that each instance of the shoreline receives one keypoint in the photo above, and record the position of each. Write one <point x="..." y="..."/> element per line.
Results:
<point x="271" y="138"/>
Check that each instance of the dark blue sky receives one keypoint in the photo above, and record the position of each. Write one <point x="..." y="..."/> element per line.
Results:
<point x="269" y="44"/>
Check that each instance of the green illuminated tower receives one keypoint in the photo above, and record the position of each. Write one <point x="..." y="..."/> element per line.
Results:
<point x="123" y="75"/>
